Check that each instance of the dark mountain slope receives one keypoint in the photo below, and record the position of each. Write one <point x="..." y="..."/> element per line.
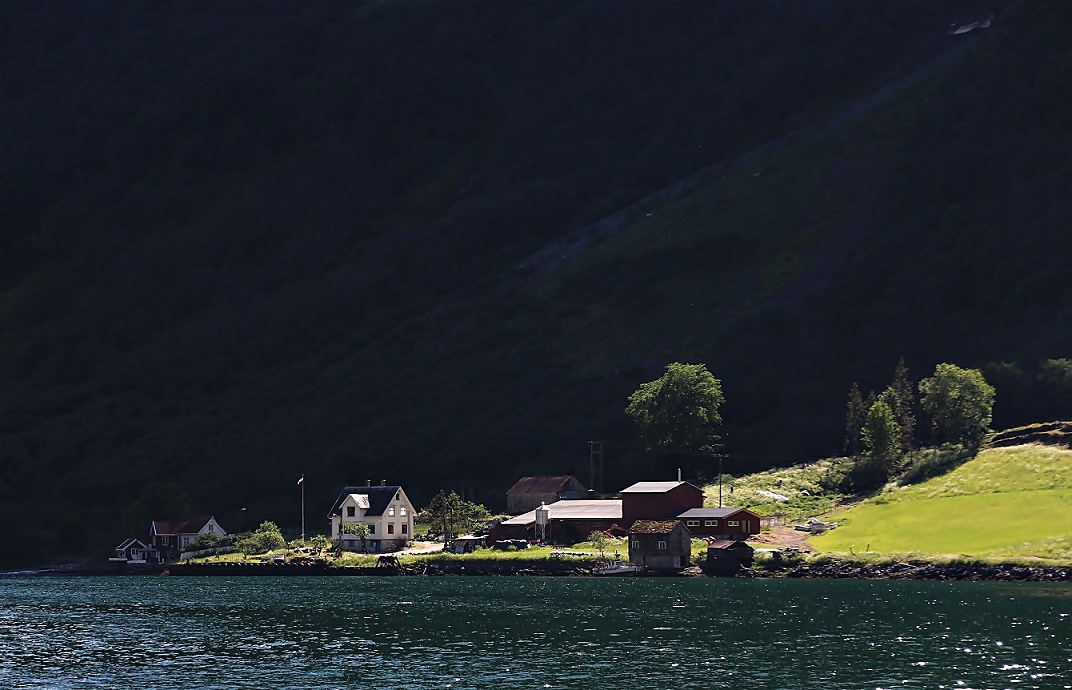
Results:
<point x="242" y="243"/>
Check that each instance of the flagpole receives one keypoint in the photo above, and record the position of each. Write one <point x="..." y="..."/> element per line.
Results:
<point x="302" y="482"/>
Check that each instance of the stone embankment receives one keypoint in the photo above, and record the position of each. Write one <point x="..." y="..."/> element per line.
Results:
<point x="921" y="571"/>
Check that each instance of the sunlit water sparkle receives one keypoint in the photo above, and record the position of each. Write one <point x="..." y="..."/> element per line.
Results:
<point x="469" y="632"/>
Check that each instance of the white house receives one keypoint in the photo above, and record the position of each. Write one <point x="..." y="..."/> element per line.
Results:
<point x="170" y="537"/>
<point x="385" y="510"/>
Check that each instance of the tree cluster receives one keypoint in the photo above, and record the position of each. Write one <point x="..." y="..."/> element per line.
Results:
<point x="880" y="429"/>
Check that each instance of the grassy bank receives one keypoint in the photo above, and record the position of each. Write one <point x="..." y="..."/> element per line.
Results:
<point x="1007" y="505"/>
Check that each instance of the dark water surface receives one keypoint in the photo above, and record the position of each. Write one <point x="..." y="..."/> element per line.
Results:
<point x="462" y="632"/>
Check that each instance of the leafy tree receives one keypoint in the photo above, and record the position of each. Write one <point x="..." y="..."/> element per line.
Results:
<point x="960" y="404"/>
<point x="449" y="515"/>
<point x="266" y="538"/>
<point x="854" y="420"/>
<point x="881" y="435"/>
<point x="599" y="540"/>
<point x="319" y="543"/>
<point x="208" y="540"/>
<point x="359" y="530"/>
<point x="679" y="411"/>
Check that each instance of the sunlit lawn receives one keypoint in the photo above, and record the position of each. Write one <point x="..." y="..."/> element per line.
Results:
<point x="1008" y="503"/>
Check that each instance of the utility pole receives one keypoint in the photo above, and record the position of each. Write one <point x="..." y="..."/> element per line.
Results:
<point x="719" y="456"/>
<point x="595" y="450"/>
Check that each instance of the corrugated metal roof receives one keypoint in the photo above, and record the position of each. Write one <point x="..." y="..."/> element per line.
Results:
<point x="653" y="526"/>
<point x="540" y="485"/>
<point x="581" y="509"/>
<point x="654" y="487"/>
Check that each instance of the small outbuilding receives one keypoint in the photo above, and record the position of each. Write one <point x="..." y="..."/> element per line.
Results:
<point x="727" y="557"/>
<point x="659" y="545"/>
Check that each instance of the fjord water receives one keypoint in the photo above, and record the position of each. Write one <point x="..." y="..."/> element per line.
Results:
<point x="476" y="632"/>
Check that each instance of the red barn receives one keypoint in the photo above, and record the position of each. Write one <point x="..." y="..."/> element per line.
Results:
<point x="658" y="500"/>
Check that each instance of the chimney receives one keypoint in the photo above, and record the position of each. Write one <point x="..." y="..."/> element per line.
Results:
<point x="383" y="482"/>
<point x="368" y="482"/>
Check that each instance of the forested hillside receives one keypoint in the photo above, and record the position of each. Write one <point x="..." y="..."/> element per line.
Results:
<point x="440" y="243"/>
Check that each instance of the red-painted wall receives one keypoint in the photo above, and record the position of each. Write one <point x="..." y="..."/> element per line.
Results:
<point x="659" y="506"/>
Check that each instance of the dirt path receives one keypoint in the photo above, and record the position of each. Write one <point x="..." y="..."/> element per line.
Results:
<point x="781" y="537"/>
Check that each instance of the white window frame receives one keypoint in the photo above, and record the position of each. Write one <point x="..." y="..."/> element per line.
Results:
<point x="692" y="523"/>
<point x="710" y="523"/>
<point x="733" y="523"/>
<point x="662" y="545"/>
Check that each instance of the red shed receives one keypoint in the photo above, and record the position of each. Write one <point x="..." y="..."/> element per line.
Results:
<point x="658" y="500"/>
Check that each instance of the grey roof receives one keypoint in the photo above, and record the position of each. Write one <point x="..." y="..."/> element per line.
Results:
<point x="712" y="512"/>
<point x="581" y="509"/>
<point x="378" y="496"/>
<point x="655" y="487"/>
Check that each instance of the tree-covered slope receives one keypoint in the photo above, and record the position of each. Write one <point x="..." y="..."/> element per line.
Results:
<point x="440" y="243"/>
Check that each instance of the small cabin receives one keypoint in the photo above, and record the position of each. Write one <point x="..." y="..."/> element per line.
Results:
<point x="727" y="557"/>
<point x="659" y="545"/>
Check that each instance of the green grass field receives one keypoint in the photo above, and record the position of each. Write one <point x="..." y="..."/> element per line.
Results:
<point x="1007" y="504"/>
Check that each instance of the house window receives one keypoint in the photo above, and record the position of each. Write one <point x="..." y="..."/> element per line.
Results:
<point x="391" y="511"/>
<point x="405" y="528"/>
<point x="710" y="523"/>
<point x="351" y="511"/>
<point x="636" y="545"/>
<point x="398" y="496"/>
<point x="390" y="528"/>
<point x="692" y="523"/>
<point x="733" y="523"/>
<point x="402" y="511"/>
<point x="372" y="529"/>
<point x="662" y="545"/>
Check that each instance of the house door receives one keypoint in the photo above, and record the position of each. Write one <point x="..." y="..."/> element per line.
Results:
<point x="677" y="561"/>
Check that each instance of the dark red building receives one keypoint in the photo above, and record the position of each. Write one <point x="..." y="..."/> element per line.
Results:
<point x="658" y="501"/>
<point x="721" y="523"/>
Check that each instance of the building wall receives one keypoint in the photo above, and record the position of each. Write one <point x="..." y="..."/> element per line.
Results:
<point x="659" y="506"/>
<point x="644" y="550"/>
<point x="747" y="524"/>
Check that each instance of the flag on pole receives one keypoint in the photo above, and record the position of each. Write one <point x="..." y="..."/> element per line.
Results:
<point x="301" y="479"/>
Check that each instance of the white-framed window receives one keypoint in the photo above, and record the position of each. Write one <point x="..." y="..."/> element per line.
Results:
<point x="662" y="545"/>
<point x="390" y="528"/>
<point x="692" y="523"/>
<point x="351" y="511"/>
<point x="391" y="511"/>
<point x="402" y="511"/>
<point x="710" y="523"/>
<point x="636" y="544"/>
<point x="733" y="523"/>
<point x="372" y="529"/>
<point x="405" y="528"/>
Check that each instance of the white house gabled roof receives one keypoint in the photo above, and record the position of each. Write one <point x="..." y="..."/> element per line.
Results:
<point x="361" y="500"/>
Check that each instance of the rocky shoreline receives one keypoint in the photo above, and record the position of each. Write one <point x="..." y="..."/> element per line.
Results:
<point x="833" y="570"/>
<point x="921" y="570"/>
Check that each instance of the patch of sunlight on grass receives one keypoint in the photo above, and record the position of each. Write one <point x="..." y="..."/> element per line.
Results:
<point x="973" y="525"/>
